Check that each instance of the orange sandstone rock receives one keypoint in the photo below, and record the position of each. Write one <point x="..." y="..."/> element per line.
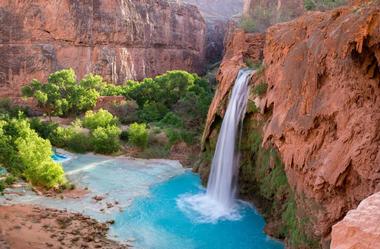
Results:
<point x="117" y="39"/>
<point x="323" y="75"/>
<point x="239" y="47"/>
<point x="324" y="87"/>
<point x="360" y="228"/>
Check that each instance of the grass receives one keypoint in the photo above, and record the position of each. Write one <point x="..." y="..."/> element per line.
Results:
<point x="251" y="107"/>
<point x="261" y="88"/>
<point x="154" y="152"/>
<point x="248" y="24"/>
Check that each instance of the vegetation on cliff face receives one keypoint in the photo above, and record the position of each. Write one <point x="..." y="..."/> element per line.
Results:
<point x="323" y="4"/>
<point x="264" y="14"/>
<point x="262" y="178"/>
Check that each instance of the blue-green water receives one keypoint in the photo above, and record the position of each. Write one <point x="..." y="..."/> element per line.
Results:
<point x="157" y="222"/>
<point x="152" y="211"/>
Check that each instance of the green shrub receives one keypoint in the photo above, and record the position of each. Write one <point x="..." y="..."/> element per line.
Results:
<point x="124" y="136"/>
<point x="171" y="120"/>
<point x="126" y="112"/>
<point x="261" y="88"/>
<point x="10" y="180"/>
<point x="61" y="94"/>
<point x="138" y="135"/>
<point x="251" y="107"/>
<point x="153" y="111"/>
<point x="249" y="62"/>
<point x="79" y="142"/>
<point x="106" y="139"/>
<point x="154" y="152"/>
<point x="34" y="153"/>
<point x="2" y="186"/>
<point x="112" y="90"/>
<point x="91" y="81"/>
<point x="61" y="136"/>
<point x="11" y="110"/>
<point x="174" y="135"/>
<point x="101" y="118"/>
<point x="248" y="24"/>
<point x="323" y="4"/>
<point x="44" y="129"/>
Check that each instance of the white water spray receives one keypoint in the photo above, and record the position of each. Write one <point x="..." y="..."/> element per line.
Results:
<point x="219" y="201"/>
<point x="223" y="178"/>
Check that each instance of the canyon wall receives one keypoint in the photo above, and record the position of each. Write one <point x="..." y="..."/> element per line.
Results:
<point x="320" y="113"/>
<point x="360" y="227"/>
<point x="119" y="39"/>
<point x="218" y="14"/>
<point x="265" y="13"/>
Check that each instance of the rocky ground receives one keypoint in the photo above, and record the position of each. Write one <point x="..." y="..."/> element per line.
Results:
<point x="33" y="227"/>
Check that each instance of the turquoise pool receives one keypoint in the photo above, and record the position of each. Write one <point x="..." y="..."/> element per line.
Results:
<point x="157" y="222"/>
<point x="149" y="213"/>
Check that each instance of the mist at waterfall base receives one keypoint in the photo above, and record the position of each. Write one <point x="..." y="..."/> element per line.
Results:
<point x="219" y="202"/>
<point x="161" y="205"/>
<point x="209" y="219"/>
<point x="157" y="222"/>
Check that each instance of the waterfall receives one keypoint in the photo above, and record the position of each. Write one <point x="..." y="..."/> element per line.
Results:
<point x="223" y="177"/>
<point x="219" y="200"/>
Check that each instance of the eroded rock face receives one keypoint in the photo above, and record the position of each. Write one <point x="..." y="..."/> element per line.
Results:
<point x="265" y="13"/>
<point x="323" y="75"/>
<point x="324" y="80"/>
<point x="360" y="227"/>
<point x="239" y="47"/>
<point x="218" y="14"/>
<point x="117" y="39"/>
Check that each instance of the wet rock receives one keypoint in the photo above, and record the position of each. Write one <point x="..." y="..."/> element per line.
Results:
<point x="98" y="198"/>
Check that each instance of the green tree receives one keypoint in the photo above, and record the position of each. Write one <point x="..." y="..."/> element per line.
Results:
<point x="24" y="153"/>
<point x="106" y="139"/>
<point x="61" y="94"/>
<point x="138" y="135"/>
<point x="101" y="118"/>
<point x="91" y="81"/>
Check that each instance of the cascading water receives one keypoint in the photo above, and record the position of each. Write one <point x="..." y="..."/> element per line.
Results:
<point x="219" y="200"/>
<point x="222" y="180"/>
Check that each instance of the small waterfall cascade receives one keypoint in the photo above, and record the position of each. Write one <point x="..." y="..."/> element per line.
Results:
<point x="223" y="177"/>
<point x="219" y="200"/>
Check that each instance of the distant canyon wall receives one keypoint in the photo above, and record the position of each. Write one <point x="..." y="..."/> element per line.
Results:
<point x="265" y="13"/>
<point x="219" y="16"/>
<point x="118" y="39"/>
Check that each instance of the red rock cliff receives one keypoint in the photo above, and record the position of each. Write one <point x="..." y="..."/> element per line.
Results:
<point x="323" y="102"/>
<point x="324" y="80"/>
<point x="117" y="39"/>
<point x="360" y="227"/>
<point x="265" y="13"/>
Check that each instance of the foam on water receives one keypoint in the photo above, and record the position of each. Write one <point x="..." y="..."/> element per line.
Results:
<point x="153" y="211"/>
<point x="159" y="222"/>
<point x="202" y="209"/>
<point x="219" y="202"/>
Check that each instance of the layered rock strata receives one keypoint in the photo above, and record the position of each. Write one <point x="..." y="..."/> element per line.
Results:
<point x="117" y="39"/>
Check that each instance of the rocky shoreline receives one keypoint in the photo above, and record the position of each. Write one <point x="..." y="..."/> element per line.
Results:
<point x="34" y="227"/>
